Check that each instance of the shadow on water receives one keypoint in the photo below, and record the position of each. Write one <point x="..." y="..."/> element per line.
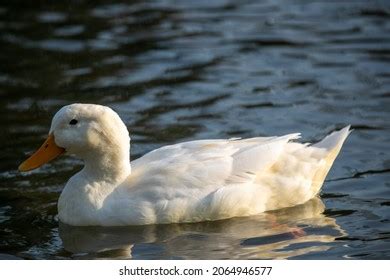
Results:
<point x="276" y="235"/>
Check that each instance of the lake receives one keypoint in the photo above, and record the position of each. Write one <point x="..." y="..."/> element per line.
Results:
<point x="183" y="70"/>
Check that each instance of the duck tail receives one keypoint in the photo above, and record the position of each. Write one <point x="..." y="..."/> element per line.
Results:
<point x="334" y="140"/>
<point x="332" y="144"/>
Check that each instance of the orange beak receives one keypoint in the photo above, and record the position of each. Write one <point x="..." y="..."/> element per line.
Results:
<point x="47" y="152"/>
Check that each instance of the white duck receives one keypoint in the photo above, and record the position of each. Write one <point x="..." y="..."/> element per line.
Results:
<point x="187" y="182"/>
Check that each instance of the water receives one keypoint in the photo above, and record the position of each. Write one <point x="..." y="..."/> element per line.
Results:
<point x="182" y="70"/>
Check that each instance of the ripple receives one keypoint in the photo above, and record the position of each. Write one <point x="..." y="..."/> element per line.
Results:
<point x="69" y="30"/>
<point x="70" y="46"/>
<point x="52" y="17"/>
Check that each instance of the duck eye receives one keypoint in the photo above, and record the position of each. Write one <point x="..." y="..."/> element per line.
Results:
<point x="73" y="122"/>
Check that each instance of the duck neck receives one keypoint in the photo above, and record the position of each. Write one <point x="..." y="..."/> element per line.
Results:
<point x="112" y="167"/>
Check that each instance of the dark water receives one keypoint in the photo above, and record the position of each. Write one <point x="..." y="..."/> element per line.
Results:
<point x="181" y="70"/>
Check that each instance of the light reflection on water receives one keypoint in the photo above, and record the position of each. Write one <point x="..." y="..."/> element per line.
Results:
<point x="194" y="70"/>
<point x="277" y="235"/>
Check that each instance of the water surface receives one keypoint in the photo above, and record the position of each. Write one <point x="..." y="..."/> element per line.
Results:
<point x="183" y="70"/>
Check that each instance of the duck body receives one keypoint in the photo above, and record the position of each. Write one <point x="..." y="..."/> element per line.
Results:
<point x="187" y="182"/>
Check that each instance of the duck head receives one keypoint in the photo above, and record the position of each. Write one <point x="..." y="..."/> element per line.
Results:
<point x="93" y="133"/>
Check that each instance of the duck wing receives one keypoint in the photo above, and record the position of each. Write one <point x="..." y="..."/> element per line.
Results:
<point x="204" y="163"/>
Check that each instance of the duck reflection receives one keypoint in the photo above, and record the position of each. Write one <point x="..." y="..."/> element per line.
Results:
<point x="281" y="234"/>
